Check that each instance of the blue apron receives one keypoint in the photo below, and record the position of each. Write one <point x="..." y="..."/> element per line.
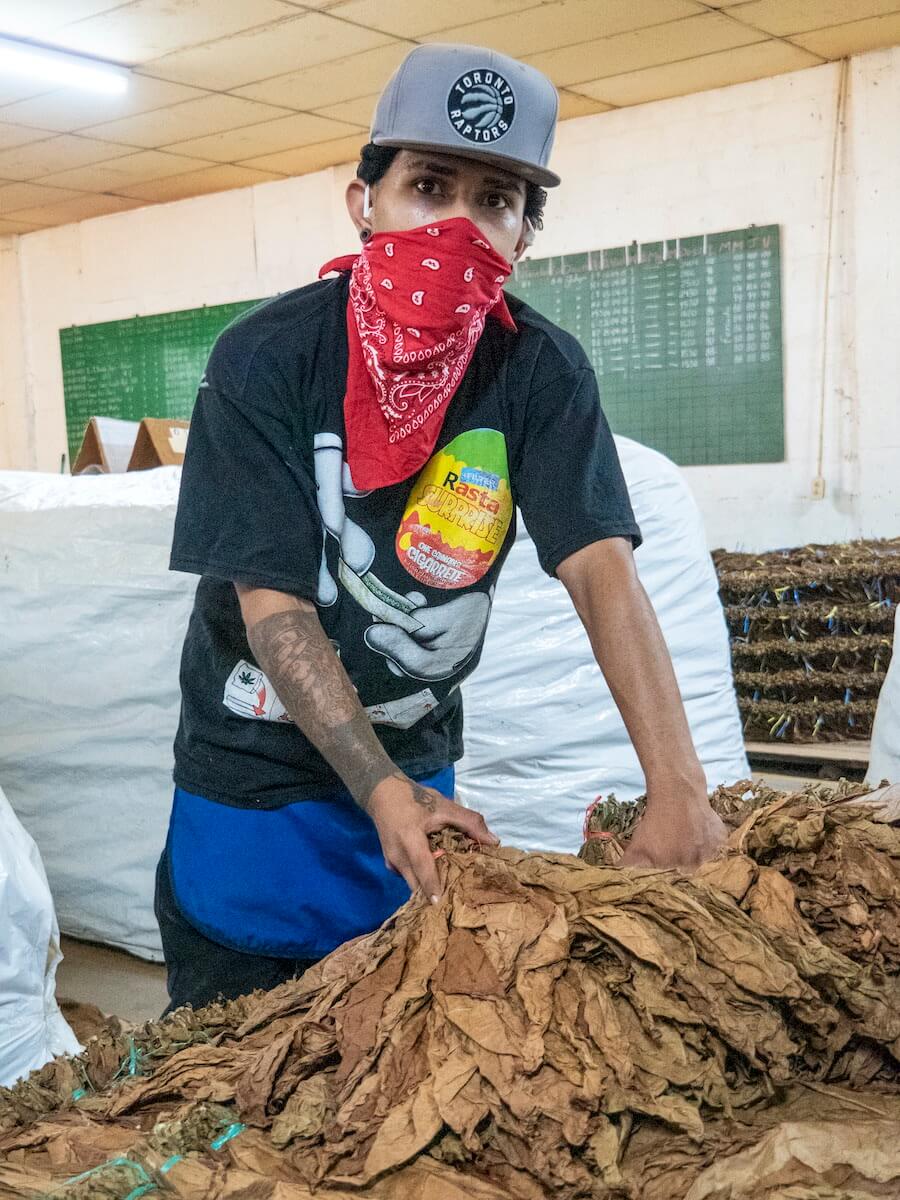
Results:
<point x="294" y="882"/>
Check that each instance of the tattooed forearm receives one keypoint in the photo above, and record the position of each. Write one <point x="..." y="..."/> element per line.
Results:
<point x="294" y="651"/>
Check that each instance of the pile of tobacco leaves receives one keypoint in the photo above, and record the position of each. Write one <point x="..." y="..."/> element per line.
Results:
<point x="554" y="1028"/>
<point x="811" y="636"/>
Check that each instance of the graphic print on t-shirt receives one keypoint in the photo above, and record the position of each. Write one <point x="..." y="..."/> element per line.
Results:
<point x="454" y="525"/>
<point x="458" y="512"/>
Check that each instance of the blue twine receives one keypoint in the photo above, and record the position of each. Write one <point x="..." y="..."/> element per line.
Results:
<point x="146" y="1183"/>
<point x="141" y="1190"/>
<point x="78" y="1093"/>
<point x="113" y="1162"/>
<point x="231" y="1132"/>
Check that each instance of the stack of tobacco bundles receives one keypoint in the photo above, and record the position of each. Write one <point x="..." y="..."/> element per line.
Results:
<point x="811" y="636"/>
<point x="552" y="1029"/>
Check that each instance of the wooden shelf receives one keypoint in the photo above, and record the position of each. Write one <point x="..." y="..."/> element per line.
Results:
<point x="852" y="754"/>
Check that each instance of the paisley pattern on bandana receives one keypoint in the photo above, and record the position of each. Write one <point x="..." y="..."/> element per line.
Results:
<point x="417" y="308"/>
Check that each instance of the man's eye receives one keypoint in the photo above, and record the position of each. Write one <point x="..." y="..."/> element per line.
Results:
<point x="428" y="187"/>
<point x="497" y="200"/>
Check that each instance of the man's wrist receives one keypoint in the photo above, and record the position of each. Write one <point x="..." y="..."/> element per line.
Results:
<point x="676" y="787"/>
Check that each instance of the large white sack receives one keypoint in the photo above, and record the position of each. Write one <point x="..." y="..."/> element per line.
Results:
<point x="543" y="734"/>
<point x="31" y="491"/>
<point x="32" y="1029"/>
<point x="93" y="623"/>
<point x="884" y="759"/>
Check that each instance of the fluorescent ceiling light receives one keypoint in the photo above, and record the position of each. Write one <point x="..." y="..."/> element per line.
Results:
<point x="59" y="68"/>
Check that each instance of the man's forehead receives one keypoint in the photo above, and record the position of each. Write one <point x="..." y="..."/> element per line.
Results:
<point x="454" y="164"/>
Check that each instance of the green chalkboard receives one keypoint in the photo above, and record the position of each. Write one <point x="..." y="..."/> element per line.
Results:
<point x="142" y="367"/>
<point x="684" y="336"/>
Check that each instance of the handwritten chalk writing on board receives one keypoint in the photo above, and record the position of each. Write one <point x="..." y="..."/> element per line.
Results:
<point x="684" y="335"/>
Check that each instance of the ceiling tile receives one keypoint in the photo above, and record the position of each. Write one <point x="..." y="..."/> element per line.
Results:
<point x="13" y="89"/>
<point x="299" y="129"/>
<point x="14" y="196"/>
<point x="194" y="118"/>
<point x="573" y="105"/>
<point x="20" y="135"/>
<point x="699" y="74"/>
<point x="328" y="83"/>
<point x="642" y="48"/>
<point x="9" y="226"/>
<point x="357" y="112"/>
<point x="56" y="154"/>
<point x="567" y="23"/>
<point x="412" y="18"/>
<point x="310" y="158"/>
<point x="37" y="20"/>
<point x="219" y="178"/>
<point x="146" y="29"/>
<point x="66" y="109"/>
<point x="852" y="38"/>
<point x="80" y="209"/>
<point x="303" y="41"/>
<point x="134" y="168"/>
<point x="784" y="17"/>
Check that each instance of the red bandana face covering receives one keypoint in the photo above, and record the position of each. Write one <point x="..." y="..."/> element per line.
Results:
<point x="418" y="304"/>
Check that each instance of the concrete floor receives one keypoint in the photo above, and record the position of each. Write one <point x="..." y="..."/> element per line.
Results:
<point x="129" y="987"/>
<point x="118" y="983"/>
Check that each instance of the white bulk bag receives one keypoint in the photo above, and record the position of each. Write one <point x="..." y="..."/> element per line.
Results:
<point x="543" y="734"/>
<point x="93" y="624"/>
<point x="93" y="628"/>
<point x="884" y="759"/>
<point x="32" y="1029"/>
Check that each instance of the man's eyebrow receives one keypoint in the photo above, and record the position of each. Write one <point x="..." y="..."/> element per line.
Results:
<point x="417" y="164"/>
<point x="509" y="182"/>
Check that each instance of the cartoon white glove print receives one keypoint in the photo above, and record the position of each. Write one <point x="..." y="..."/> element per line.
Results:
<point x="448" y="635"/>
<point x="333" y="482"/>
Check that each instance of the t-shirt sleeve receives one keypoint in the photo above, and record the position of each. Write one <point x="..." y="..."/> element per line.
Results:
<point x="247" y="507"/>
<point x="568" y="481"/>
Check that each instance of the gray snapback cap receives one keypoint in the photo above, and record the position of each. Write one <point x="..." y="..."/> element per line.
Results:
<point x="473" y="102"/>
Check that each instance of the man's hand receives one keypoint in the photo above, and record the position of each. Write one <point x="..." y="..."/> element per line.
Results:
<point x="675" y="832"/>
<point x="405" y="813"/>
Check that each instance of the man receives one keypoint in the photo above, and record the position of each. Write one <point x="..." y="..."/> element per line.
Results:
<point x="356" y="456"/>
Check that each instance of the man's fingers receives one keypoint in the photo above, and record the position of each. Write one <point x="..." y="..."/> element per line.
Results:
<point x="466" y="820"/>
<point x="422" y="865"/>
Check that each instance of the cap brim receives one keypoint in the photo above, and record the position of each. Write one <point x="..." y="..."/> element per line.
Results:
<point x="538" y="175"/>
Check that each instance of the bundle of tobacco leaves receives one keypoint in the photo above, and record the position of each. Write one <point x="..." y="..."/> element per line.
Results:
<point x="827" y="611"/>
<point x="551" y="1029"/>
<point x="831" y="850"/>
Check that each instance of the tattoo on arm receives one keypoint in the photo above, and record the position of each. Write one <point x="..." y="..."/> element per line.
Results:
<point x="294" y="651"/>
<point x="422" y="795"/>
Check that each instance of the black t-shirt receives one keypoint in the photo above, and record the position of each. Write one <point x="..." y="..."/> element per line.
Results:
<point x="403" y="576"/>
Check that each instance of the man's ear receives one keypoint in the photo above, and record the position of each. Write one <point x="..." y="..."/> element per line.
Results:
<point x="526" y="241"/>
<point x="355" y="197"/>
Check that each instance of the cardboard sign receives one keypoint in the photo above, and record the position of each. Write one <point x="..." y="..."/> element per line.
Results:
<point x="160" y="442"/>
<point x="111" y="446"/>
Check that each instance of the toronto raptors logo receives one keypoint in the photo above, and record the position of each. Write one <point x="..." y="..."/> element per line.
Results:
<point x="481" y="106"/>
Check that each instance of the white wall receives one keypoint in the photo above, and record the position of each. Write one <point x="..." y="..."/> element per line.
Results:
<point x="754" y="153"/>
